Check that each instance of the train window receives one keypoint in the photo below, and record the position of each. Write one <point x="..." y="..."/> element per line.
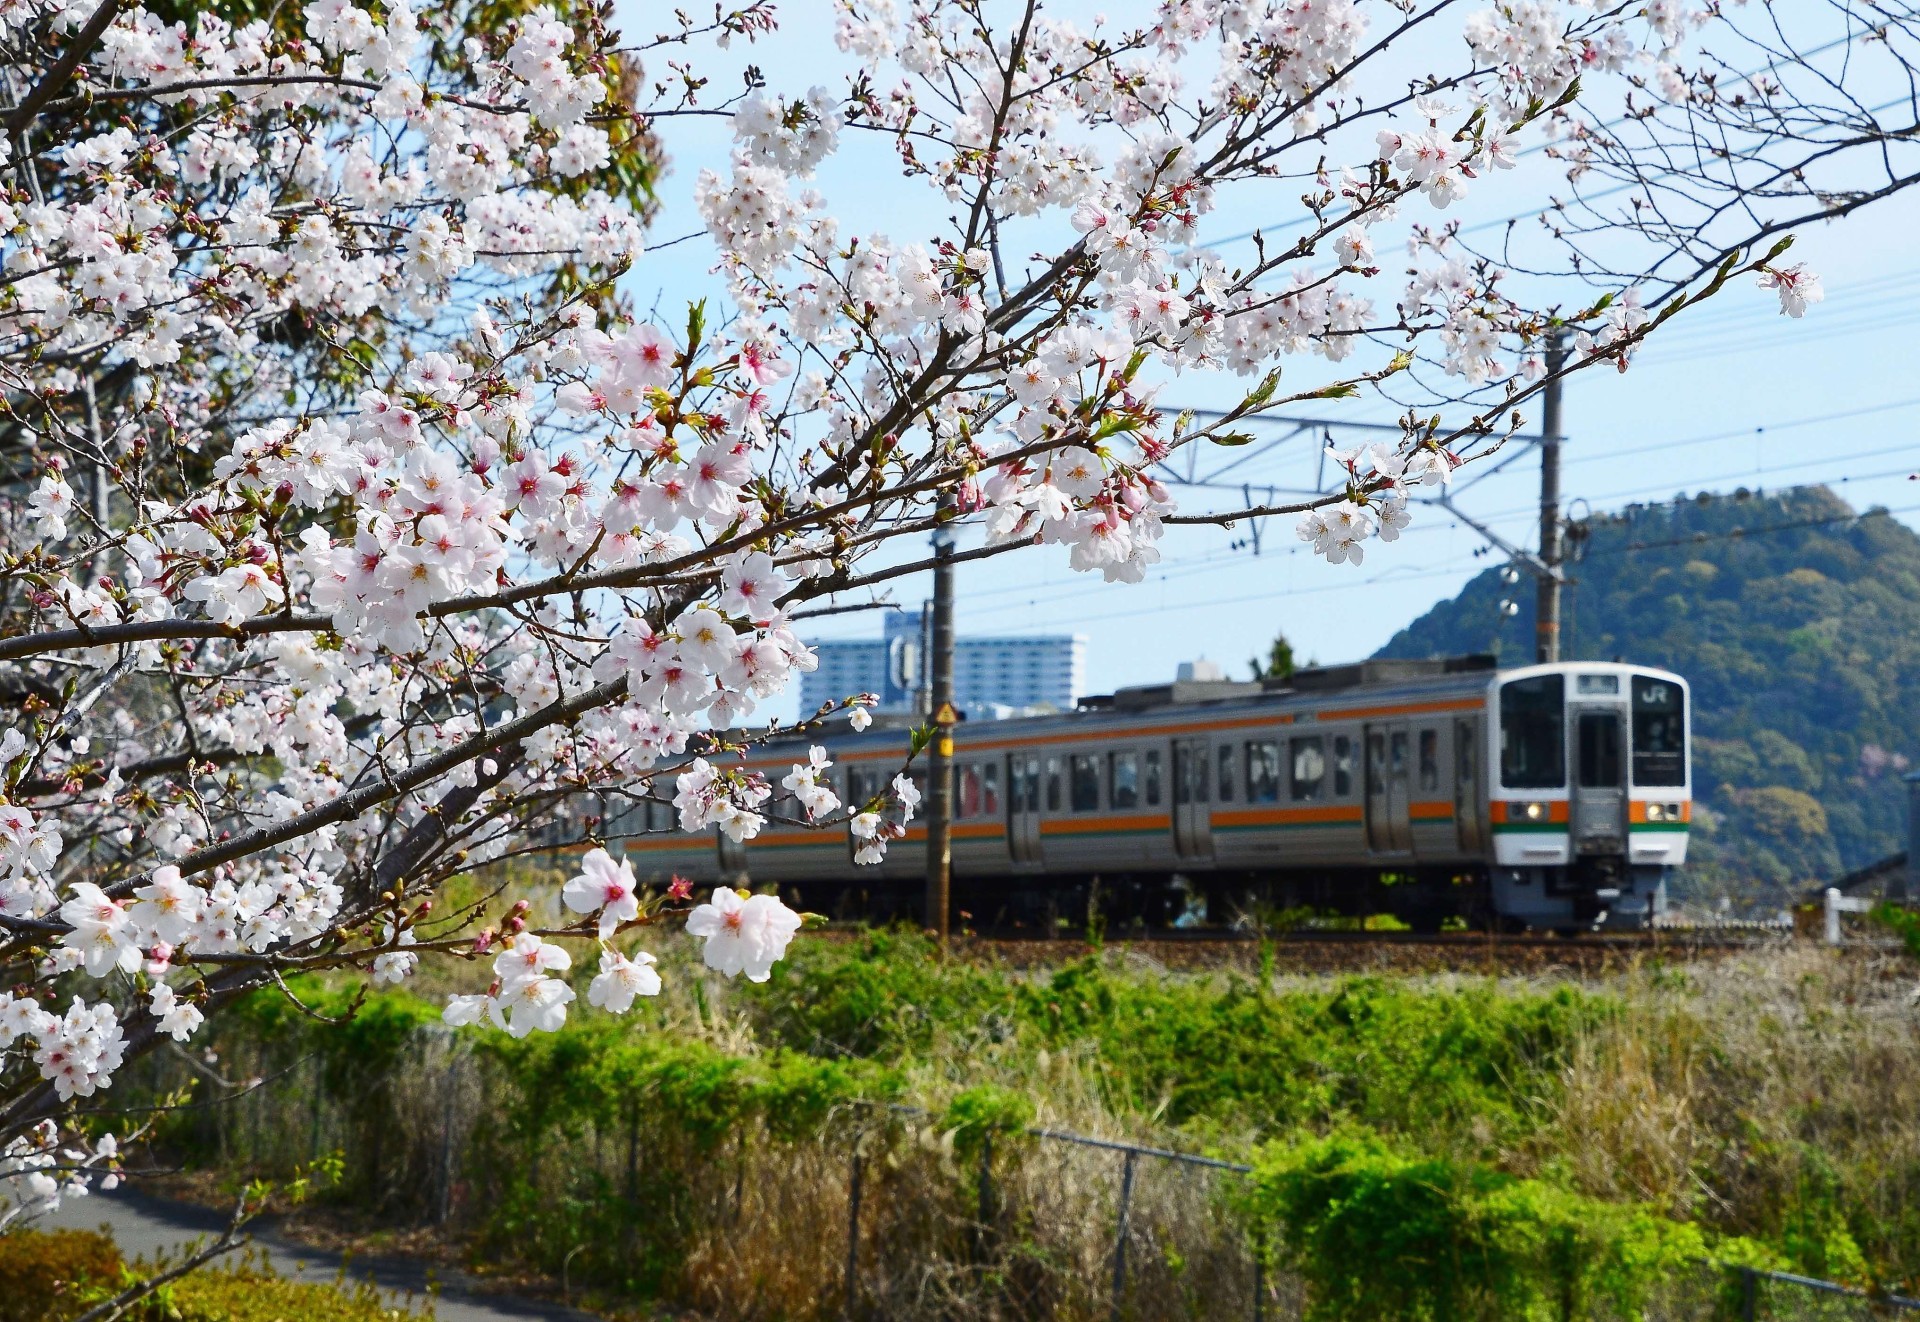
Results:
<point x="1263" y="771"/>
<point x="1342" y="766"/>
<point x="969" y="805"/>
<point x="1084" y="782"/>
<point x="1309" y="767"/>
<point x="1533" y="747"/>
<point x="1124" y="780"/>
<point x="1189" y="776"/>
<point x="989" y="790"/>
<point x="1053" y="784"/>
<point x="1152" y="786"/>
<point x="1659" y="732"/>
<point x="1429" y="759"/>
<point x="1599" y="750"/>
<point x="1399" y="755"/>
<point x="1033" y="784"/>
<point x="1225" y="780"/>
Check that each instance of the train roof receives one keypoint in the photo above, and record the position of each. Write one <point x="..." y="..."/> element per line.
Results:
<point x="1311" y="680"/>
<point x="1365" y="685"/>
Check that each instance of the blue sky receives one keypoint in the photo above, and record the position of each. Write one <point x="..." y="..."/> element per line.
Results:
<point x="1730" y="395"/>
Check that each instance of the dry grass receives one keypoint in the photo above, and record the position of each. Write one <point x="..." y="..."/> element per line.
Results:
<point x="1772" y="1094"/>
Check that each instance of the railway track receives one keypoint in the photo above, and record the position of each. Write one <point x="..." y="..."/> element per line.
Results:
<point x="1360" y="951"/>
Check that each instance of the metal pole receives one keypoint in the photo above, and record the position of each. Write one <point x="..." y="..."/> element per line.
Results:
<point x="940" y="763"/>
<point x="986" y="1181"/>
<point x="1749" y="1294"/>
<point x="853" y="1231"/>
<point x="1547" y="611"/>
<point x="1259" y="1285"/>
<point x="446" y="1137"/>
<point x="1120" y="1238"/>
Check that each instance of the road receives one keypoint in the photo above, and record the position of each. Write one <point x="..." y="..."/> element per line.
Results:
<point x="145" y="1226"/>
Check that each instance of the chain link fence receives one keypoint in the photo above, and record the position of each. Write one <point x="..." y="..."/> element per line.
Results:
<point x="883" y="1212"/>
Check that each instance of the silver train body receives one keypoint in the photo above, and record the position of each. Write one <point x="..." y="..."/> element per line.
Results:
<point x="1553" y="796"/>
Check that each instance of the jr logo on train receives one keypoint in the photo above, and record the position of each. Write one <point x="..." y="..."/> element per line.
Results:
<point x="1544" y="797"/>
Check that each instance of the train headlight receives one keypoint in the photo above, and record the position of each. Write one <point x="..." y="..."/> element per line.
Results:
<point x="1534" y="812"/>
<point x="1663" y="812"/>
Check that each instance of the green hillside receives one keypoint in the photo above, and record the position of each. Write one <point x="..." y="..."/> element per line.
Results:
<point x="1797" y="621"/>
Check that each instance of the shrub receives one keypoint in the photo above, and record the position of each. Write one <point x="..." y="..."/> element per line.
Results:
<point x="53" y="1275"/>
<point x="48" y="1275"/>
<point x="1375" y="1233"/>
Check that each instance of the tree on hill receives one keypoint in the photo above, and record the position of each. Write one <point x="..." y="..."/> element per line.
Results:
<point x="1795" y="619"/>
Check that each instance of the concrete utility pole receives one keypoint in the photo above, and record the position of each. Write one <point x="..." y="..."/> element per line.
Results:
<point x="939" y="804"/>
<point x="1547" y="612"/>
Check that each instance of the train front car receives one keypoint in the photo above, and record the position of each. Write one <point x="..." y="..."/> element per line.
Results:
<point x="1594" y="792"/>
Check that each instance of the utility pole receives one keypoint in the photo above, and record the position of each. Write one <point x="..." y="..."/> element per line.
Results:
<point x="940" y="764"/>
<point x="1547" y="611"/>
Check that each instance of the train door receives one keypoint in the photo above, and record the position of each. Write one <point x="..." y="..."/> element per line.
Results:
<point x="1192" y="800"/>
<point x="1023" y="807"/>
<point x="1466" y="788"/>
<point x="1389" y="818"/>
<point x="1599" y="815"/>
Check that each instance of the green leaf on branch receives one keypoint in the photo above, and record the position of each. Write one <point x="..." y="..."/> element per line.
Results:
<point x="1232" y="438"/>
<point x="696" y="326"/>
<point x="1260" y="393"/>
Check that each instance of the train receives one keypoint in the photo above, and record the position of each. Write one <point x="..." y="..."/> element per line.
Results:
<point x="1447" y="793"/>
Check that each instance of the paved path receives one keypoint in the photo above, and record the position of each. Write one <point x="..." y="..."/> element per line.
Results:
<point x="145" y="1226"/>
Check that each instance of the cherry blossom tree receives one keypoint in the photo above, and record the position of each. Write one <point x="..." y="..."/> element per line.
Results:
<point x="359" y="526"/>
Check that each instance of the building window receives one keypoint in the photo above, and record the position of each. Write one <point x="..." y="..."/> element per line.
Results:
<point x="1125" y="780"/>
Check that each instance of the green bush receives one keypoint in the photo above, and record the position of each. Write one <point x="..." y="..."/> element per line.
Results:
<point x="1376" y="1233"/>
<point x="50" y="1276"/>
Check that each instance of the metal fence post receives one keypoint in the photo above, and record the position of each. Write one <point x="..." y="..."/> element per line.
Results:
<point x="1749" y="1294"/>
<point x="1120" y="1236"/>
<point x="982" y="1236"/>
<point x="853" y="1229"/>
<point x="446" y="1137"/>
<point x="1259" y="1285"/>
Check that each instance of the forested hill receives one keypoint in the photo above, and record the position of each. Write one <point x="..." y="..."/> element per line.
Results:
<point x="1796" y="619"/>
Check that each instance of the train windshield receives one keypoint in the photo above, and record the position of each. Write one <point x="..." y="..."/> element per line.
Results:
<point x="1659" y="732"/>
<point x="1533" y="716"/>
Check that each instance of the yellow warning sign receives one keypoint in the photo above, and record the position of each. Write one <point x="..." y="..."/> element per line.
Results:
<point x="946" y="715"/>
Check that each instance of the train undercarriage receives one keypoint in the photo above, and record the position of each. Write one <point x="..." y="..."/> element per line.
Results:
<point x="1594" y="894"/>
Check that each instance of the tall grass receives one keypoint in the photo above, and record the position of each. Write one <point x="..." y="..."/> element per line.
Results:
<point x="702" y="1151"/>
